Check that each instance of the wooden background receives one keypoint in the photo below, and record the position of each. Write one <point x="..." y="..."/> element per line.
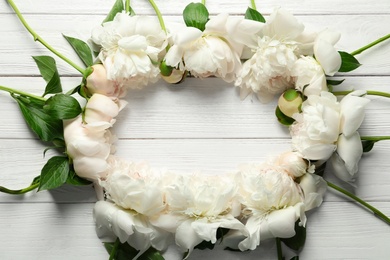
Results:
<point x="201" y="125"/>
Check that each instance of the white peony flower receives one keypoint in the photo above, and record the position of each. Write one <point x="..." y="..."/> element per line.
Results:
<point x="213" y="52"/>
<point x="197" y="207"/>
<point x="98" y="83"/>
<point x="273" y="201"/>
<point x="268" y="71"/>
<point x="130" y="49"/>
<point x="134" y="187"/>
<point x="309" y="76"/>
<point x="113" y="221"/>
<point x="326" y="125"/>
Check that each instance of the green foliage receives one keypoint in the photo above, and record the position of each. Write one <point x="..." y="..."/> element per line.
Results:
<point x="334" y="82"/>
<point x="54" y="173"/>
<point x="48" y="69"/>
<point x="124" y="251"/>
<point x="368" y="145"/>
<point x="73" y="179"/>
<point x="82" y="49"/>
<point x="40" y="122"/>
<point x="282" y="118"/>
<point x="252" y="14"/>
<point x="62" y="106"/>
<point x="298" y="241"/>
<point x="348" y="62"/>
<point x="116" y="8"/>
<point x="196" y="15"/>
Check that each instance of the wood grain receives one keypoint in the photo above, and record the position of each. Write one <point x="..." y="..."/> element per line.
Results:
<point x="201" y="125"/>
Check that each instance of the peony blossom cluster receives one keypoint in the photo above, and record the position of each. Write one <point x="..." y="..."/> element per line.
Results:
<point x="327" y="129"/>
<point x="88" y="138"/>
<point x="130" y="49"/>
<point x="216" y="51"/>
<point x="282" y="57"/>
<point x="148" y="208"/>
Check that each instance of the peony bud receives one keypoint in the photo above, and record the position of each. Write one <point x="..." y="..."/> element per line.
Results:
<point x="176" y="76"/>
<point x="290" y="102"/>
<point x="97" y="82"/>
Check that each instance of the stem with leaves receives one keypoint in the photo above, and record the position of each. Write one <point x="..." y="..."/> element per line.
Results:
<point x="37" y="38"/>
<point x="127" y="6"/>
<point x="374" y="210"/>
<point x="22" y="93"/>
<point x="114" y="250"/>
<point x="21" y="191"/>
<point x="253" y="4"/>
<point x="360" y="50"/>
<point x="159" y="16"/>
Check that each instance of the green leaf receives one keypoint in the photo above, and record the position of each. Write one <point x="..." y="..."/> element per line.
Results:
<point x="125" y="251"/>
<point x="73" y="179"/>
<point x="368" y="145"/>
<point x="252" y="14"/>
<point x="41" y="123"/>
<point x="348" y="62"/>
<point x="298" y="241"/>
<point x="282" y="118"/>
<point x="48" y="69"/>
<point x="116" y="8"/>
<point x="62" y="106"/>
<point x="82" y="49"/>
<point x="334" y="82"/>
<point x="196" y="15"/>
<point x="54" y="173"/>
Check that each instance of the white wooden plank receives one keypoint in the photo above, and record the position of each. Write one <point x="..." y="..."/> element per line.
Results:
<point x="66" y="231"/>
<point x="195" y="109"/>
<point x="17" y="47"/>
<point x="176" y="7"/>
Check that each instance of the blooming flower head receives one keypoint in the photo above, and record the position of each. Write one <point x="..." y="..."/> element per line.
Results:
<point x="130" y="49"/>
<point x="268" y="71"/>
<point x="273" y="201"/>
<point x="134" y="187"/>
<point x="97" y="83"/>
<point x="213" y="52"/>
<point x="326" y="125"/>
<point x="197" y="207"/>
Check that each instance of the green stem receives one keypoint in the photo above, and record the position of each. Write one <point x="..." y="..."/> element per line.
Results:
<point x="158" y="13"/>
<point x="204" y="2"/>
<point x="279" y="249"/>
<point x="22" y="93"/>
<point x="358" y="51"/>
<point x="375" y="138"/>
<point x="253" y="4"/>
<point x="369" y="92"/>
<point x="127" y="6"/>
<point x="37" y="38"/>
<point x="114" y="250"/>
<point x="22" y="191"/>
<point x="374" y="210"/>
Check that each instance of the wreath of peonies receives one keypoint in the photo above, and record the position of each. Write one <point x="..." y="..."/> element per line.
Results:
<point x="146" y="207"/>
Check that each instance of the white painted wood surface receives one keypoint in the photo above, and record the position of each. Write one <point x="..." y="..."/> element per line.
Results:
<point x="200" y="125"/>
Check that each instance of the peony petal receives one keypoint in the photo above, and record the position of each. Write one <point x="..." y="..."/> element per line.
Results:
<point x="314" y="188"/>
<point x="186" y="237"/>
<point x="90" y="168"/>
<point x="345" y="161"/>
<point x="327" y="56"/>
<point x="186" y="35"/>
<point x="283" y="25"/>
<point x="279" y="223"/>
<point x="253" y="240"/>
<point x="352" y="113"/>
<point x="318" y="151"/>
